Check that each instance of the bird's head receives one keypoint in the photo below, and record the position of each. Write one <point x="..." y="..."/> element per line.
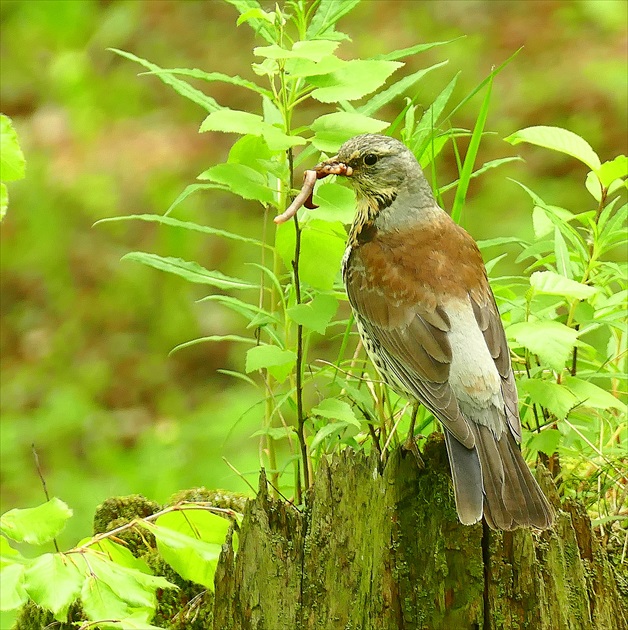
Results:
<point x="380" y="170"/>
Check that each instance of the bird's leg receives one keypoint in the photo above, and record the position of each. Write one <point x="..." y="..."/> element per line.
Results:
<point x="410" y="443"/>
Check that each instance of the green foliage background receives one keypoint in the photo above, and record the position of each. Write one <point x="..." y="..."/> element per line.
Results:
<point x="85" y="338"/>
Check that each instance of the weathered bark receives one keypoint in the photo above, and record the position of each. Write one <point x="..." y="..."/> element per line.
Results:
<point x="383" y="550"/>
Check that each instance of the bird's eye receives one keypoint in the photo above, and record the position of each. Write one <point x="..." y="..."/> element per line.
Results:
<point x="370" y="159"/>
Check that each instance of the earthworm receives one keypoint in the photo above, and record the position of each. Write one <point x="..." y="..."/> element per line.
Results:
<point x="304" y="198"/>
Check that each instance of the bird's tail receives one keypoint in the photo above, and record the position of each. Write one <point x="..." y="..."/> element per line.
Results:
<point x="493" y="479"/>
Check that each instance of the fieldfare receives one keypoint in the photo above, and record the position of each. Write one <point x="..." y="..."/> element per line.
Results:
<point x="428" y="319"/>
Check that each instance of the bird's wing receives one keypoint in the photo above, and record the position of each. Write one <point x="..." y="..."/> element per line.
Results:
<point x="489" y="321"/>
<point x="410" y="338"/>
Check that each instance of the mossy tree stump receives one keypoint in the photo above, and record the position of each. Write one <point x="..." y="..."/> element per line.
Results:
<point x="383" y="550"/>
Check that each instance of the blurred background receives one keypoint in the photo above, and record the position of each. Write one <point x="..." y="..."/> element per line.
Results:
<point x="86" y="375"/>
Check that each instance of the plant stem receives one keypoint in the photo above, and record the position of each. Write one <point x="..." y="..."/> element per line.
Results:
<point x="299" y="366"/>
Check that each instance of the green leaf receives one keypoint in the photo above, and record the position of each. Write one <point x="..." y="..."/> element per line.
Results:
<point x="186" y="225"/>
<point x="326" y="431"/>
<point x="558" y="139"/>
<point x="278" y="362"/>
<point x="180" y="87"/>
<point x="554" y="397"/>
<point x="315" y="50"/>
<point x="12" y="162"/>
<point x="335" y="203"/>
<point x="590" y="395"/>
<point x="37" y="525"/>
<point x="241" y="180"/>
<point x="190" y="271"/>
<point x="100" y="602"/>
<point x="12" y="594"/>
<point x="235" y="121"/>
<point x="332" y="130"/>
<point x="542" y="219"/>
<point x="190" y="541"/>
<point x="54" y="582"/>
<point x="327" y="14"/>
<point x="261" y="24"/>
<point x="546" y="441"/>
<point x="430" y="118"/>
<point x="212" y="338"/>
<point x="8" y="555"/>
<point x="322" y="249"/>
<point x="335" y="409"/>
<point x="412" y="50"/>
<point x="555" y="284"/>
<point x="315" y="315"/>
<point x="401" y="86"/>
<point x="469" y="160"/>
<point x="119" y="554"/>
<point x="212" y="77"/>
<point x="552" y="341"/>
<point x="612" y="170"/>
<point x="134" y="587"/>
<point x="250" y="311"/>
<point x="353" y="80"/>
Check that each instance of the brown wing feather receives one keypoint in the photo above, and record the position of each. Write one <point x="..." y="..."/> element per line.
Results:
<point x="489" y="321"/>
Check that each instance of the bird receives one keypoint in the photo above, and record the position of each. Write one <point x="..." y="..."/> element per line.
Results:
<point x="427" y="317"/>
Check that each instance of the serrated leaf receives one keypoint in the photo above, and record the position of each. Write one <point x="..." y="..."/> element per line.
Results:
<point x="180" y="87"/>
<point x="37" y="525"/>
<point x="327" y="14"/>
<point x="212" y="77"/>
<point x="546" y="441"/>
<point x="338" y="410"/>
<point x="558" y="139"/>
<point x="335" y="203"/>
<point x="235" y="121"/>
<point x="314" y="50"/>
<point x="400" y="87"/>
<point x="190" y="271"/>
<point x="186" y="225"/>
<point x="554" y="397"/>
<point x="12" y="162"/>
<point x="552" y="341"/>
<point x="612" y="170"/>
<point x="332" y="130"/>
<point x="12" y="594"/>
<point x="590" y="395"/>
<point x="412" y="50"/>
<point x="241" y="180"/>
<point x="555" y="284"/>
<point x="99" y="602"/>
<point x="53" y="581"/>
<point x="315" y="315"/>
<point x="353" y="80"/>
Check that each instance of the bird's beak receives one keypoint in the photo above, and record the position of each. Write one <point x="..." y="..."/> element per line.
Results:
<point x="332" y="166"/>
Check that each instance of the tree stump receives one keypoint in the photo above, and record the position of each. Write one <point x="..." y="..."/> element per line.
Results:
<point x="383" y="550"/>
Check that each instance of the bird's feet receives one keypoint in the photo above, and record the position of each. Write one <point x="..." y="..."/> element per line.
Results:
<point x="411" y="445"/>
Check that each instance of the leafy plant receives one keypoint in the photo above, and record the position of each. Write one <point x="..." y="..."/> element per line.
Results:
<point x="564" y="320"/>
<point x="567" y="322"/>
<point x="114" y="587"/>
<point x="310" y="406"/>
